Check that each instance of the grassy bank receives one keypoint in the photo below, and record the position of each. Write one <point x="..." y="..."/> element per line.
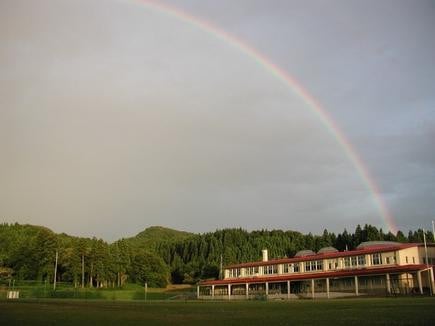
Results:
<point x="370" y="311"/>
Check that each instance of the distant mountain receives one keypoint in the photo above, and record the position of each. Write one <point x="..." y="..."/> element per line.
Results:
<point x="151" y="237"/>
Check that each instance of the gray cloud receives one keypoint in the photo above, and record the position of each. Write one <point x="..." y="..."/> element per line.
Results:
<point x="114" y="117"/>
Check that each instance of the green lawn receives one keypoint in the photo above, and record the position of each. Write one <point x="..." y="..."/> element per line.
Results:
<point x="368" y="311"/>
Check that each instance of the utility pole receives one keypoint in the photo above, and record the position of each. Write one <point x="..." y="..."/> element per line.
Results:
<point x="90" y="276"/>
<point x="433" y="231"/>
<point x="221" y="276"/>
<point x="83" y="271"/>
<point x="427" y="263"/>
<point x="55" y="271"/>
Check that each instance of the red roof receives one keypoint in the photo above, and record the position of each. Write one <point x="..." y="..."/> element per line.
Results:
<point x="319" y="275"/>
<point x="369" y="250"/>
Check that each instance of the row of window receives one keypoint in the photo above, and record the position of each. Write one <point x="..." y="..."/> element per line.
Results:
<point x="234" y="272"/>
<point x="407" y="260"/>
<point x="430" y="261"/>
<point x="356" y="261"/>
<point x="314" y="265"/>
<point x="252" y="270"/>
<point x="291" y="268"/>
<point x="270" y="269"/>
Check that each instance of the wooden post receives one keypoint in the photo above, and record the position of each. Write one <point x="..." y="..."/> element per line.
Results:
<point x="327" y="288"/>
<point x="212" y="291"/>
<point x="229" y="291"/>
<point x="247" y="291"/>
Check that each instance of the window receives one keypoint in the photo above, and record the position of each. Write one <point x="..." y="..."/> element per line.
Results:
<point x="252" y="270"/>
<point x="291" y="268"/>
<point x="333" y="264"/>
<point x="353" y="260"/>
<point x="270" y="269"/>
<point x="315" y="265"/>
<point x="413" y="260"/>
<point x="406" y="259"/>
<point x="387" y="260"/>
<point x="235" y="272"/>
<point x="319" y="265"/>
<point x="376" y="259"/>
<point x="308" y="266"/>
<point x="295" y="268"/>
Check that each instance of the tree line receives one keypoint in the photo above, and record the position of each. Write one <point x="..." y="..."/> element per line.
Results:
<point x="160" y="256"/>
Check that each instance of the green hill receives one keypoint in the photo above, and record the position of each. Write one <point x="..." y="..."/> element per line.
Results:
<point x="151" y="237"/>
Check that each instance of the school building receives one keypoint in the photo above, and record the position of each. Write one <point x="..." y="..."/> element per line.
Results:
<point x="373" y="268"/>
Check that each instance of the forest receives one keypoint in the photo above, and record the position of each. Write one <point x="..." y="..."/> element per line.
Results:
<point x="159" y="255"/>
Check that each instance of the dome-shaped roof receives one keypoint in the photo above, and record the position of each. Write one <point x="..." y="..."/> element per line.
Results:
<point x="327" y="250"/>
<point x="368" y="244"/>
<point x="303" y="253"/>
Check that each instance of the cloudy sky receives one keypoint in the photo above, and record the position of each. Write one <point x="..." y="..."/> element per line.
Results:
<point x="116" y="115"/>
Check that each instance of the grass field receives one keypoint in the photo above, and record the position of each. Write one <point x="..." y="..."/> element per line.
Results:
<point x="369" y="311"/>
<point x="35" y="290"/>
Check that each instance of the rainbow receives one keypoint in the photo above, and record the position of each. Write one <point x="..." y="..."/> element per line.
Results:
<point x="295" y="86"/>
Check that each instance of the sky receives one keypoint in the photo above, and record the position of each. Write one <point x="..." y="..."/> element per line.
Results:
<point x="116" y="115"/>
